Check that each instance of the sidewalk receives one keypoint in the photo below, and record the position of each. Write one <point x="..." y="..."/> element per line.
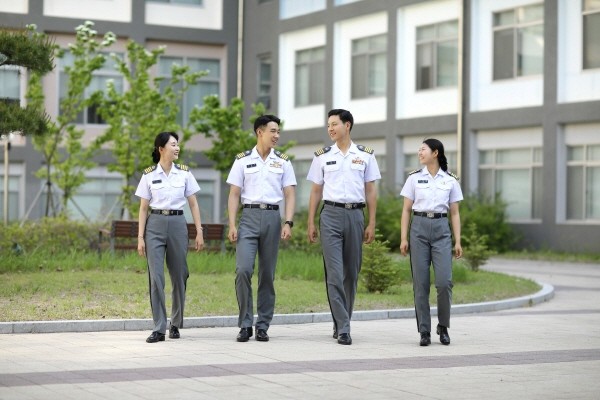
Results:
<point x="550" y="351"/>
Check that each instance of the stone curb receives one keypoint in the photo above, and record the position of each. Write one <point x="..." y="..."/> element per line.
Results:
<point x="545" y="294"/>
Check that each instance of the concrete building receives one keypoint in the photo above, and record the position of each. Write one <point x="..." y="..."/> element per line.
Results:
<point x="512" y="88"/>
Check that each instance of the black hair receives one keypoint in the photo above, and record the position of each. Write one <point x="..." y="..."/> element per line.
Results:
<point x="161" y="140"/>
<point x="263" y="120"/>
<point x="345" y="115"/>
<point x="434" y="145"/>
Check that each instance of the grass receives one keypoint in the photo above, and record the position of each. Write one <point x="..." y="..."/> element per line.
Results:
<point x="82" y="286"/>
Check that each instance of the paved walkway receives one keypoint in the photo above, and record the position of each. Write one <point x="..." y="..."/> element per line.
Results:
<point x="549" y="351"/>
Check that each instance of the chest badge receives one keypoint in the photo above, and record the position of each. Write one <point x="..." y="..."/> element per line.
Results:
<point x="275" y="164"/>
<point x="358" y="161"/>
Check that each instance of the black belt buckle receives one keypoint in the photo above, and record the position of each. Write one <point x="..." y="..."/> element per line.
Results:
<point x="430" y="215"/>
<point x="350" y="205"/>
<point x="263" y="206"/>
<point x="165" y="212"/>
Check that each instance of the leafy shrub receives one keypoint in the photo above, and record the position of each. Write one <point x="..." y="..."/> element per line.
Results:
<point x="489" y="218"/>
<point x="50" y="235"/>
<point x="476" y="251"/>
<point x="389" y="212"/>
<point x="299" y="240"/>
<point x="378" y="271"/>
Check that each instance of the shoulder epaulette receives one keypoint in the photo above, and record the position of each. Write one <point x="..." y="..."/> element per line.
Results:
<point x="281" y="155"/>
<point x="414" y="172"/>
<point x="452" y="174"/>
<point x="365" y="149"/>
<point x="182" y="167"/>
<point x="322" y="150"/>
<point x="149" y="169"/>
<point x="243" y="154"/>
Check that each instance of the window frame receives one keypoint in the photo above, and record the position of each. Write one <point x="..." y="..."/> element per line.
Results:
<point x="264" y="96"/>
<point x="533" y="166"/>
<point x="586" y="13"/>
<point x="585" y="164"/>
<point x="205" y="79"/>
<point x="434" y="42"/>
<point x="314" y="96"/>
<point x="368" y="55"/>
<point x="515" y="27"/>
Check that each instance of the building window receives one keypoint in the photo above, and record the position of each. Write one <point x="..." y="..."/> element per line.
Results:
<point x="310" y="76"/>
<point x="342" y="2"/>
<point x="100" y="78"/>
<point x="98" y="198"/>
<point x="591" y="34"/>
<point x="369" y="67"/>
<point x="13" y="198"/>
<point x="194" y="96"/>
<point x="264" y="81"/>
<point x="583" y="182"/>
<point x="516" y="174"/>
<point x="10" y="84"/>
<point x="294" y="8"/>
<point x="437" y="55"/>
<point x="187" y="2"/>
<point x="519" y="42"/>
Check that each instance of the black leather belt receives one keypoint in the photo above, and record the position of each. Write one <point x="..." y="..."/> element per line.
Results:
<point x="431" y="215"/>
<point x="262" y="206"/>
<point x="167" y="212"/>
<point x="349" y="206"/>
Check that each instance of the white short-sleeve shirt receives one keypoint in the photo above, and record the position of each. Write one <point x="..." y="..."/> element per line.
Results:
<point x="431" y="193"/>
<point x="167" y="192"/>
<point x="261" y="181"/>
<point x="344" y="176"/>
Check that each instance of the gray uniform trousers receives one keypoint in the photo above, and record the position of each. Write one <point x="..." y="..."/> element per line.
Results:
<point x="431" y="241"/>
<point x="259" y="231"/>
<point x="167" y="235"/>
<point x="342" y="233"/>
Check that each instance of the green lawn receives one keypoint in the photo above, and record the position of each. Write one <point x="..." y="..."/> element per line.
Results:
<point x="84" y="286"/>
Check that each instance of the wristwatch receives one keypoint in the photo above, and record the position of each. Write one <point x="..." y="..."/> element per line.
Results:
<point x="290" y="223"/>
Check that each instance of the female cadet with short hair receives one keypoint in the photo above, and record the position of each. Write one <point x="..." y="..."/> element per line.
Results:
<point x="164" y="188"/>
<point x="429" y="194"/>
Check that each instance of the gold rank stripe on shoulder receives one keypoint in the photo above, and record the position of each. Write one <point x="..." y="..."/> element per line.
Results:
<point x="243" y="154"/>
<point x="414" y="172"/>
<point x="149" y="169"/>
<point x="281" y="155"/>
<point x="365" y="149"/>
<point x="322" y="150"/>
<point x="182" y="167"/>
<point x="452" y="174"/>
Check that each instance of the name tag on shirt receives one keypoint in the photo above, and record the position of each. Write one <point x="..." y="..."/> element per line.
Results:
<point x="423" y="181"/>
<point x="331" y="162"/>
<point x="250" y="165"/>
<point x="157" y="181"/>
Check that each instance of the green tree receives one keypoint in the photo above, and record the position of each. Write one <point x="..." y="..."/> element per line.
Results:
<point x="136" y="115"/>
<point x="66" y="160"/>
<point x="34" y="51"/>
<point x="224" y="126"/>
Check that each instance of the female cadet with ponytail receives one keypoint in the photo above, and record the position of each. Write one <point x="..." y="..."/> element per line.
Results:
<point x="164" y="188"/>
<point x="429" y="194"/>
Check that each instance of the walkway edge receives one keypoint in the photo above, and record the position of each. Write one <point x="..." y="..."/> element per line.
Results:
<point x="545" y="294"/>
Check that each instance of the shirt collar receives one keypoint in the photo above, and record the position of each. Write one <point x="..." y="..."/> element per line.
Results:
<point x="352" y="149"/>
<point x="255" y="154"/>
<point x="440" y="173"/>
<point x="160" y="170"/>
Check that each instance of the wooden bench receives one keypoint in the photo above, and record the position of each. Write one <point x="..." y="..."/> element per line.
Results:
<point x="122" y="231"/>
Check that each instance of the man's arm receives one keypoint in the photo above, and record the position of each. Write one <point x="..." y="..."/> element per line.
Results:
<point x="371" y="197"/>
<point x="289" y="192"/>
<point x="316" y="194"/>
<point x="233" y="203"/>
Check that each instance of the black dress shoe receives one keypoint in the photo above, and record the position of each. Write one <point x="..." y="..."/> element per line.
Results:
<point x="156" y="337"/>
<point x="344" y="338"/>
<point x="244" y="335"/>
<point x="444" y="337"/>
<point x="174" y="333"/>
<point x="335" y="334"/>
<point x="261" y="335"/>
<point x="425" y="339"/>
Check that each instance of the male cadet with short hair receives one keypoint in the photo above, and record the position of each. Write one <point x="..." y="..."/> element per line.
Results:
<point x="262" y="177"/>
<point x="344" y="176"/>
